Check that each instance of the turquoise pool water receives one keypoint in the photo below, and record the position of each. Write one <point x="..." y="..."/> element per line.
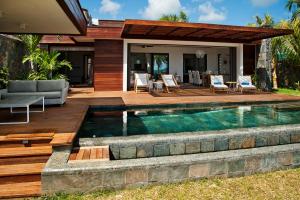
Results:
<point x="173" y="120"/>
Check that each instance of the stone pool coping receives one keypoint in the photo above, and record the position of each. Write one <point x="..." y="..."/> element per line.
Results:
<point x="155" y="145"/>
<point x="59" y="176"/>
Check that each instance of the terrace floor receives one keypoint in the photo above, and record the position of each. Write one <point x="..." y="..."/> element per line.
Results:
<point x="65" y="120"/>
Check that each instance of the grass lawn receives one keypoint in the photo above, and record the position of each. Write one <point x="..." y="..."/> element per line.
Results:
<point x="288" y="91"/>
<point x="275" y="185"/>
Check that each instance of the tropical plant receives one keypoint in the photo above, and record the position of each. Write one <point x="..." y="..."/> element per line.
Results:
<point x="48" y="65"/>
<point x="31" y="43"/>
<point x="294" y="6"/>
<point x="182" y="17"/>
<point x="4" y="74"/>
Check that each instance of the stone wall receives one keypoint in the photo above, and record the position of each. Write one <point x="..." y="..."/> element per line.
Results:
<point x="61" y="176"/>
<point x="264" y="65"/>
<point x="11" y="54"/>
<point x="196" y="142"/>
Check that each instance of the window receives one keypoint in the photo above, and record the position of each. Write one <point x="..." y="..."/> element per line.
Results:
<point x="160" y="65"/>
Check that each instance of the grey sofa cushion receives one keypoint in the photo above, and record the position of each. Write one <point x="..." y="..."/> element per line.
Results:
<point x="21" y="86"/>
<point x="50" y="85"/>
<point x="47" y="95"/>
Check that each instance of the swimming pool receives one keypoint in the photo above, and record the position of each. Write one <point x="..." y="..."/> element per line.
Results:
<point x="167" y="120"/>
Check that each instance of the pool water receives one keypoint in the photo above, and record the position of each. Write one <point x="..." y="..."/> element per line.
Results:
<point x="168" y="120"/>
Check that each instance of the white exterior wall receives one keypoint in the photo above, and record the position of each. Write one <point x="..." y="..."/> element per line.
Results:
<point x="176" y="54"/>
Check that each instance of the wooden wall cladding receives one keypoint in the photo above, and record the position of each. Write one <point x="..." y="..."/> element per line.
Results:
<point x="108" y="65"/>
<point x="249" y="59"/>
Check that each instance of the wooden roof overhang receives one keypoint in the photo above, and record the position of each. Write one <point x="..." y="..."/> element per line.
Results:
<point x="162" y="30"/>
<point x="49" y="17"/>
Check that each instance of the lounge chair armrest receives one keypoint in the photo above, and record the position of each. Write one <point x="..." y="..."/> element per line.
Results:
<point x="3" y="91"/>
<point x="64" y="94"/>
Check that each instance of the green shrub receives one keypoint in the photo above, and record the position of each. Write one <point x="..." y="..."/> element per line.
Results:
<point x="4" y="75"/>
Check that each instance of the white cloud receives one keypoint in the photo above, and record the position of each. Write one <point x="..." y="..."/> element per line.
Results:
<point x="263" y="3"/>
<point x="209" y="13"/>
<point x="109" y="7"/>
<point x="156" y="8"/>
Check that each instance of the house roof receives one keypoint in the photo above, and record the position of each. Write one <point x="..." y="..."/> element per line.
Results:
<point x="42" y="17"/>
<point x="147" y="29"/>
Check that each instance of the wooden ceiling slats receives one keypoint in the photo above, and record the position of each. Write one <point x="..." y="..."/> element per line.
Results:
<point x="199" y="31"/>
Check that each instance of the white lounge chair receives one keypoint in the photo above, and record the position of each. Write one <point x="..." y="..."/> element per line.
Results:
<point x="245" y="83"/>
<point x="191" y="80"/>
<point x="197" y="78"/>
<point x="141" y="81"/>
<point x="217" y="83"/>
<point x="169" y="81"/>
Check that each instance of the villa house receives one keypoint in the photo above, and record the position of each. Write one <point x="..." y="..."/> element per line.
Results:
<point x="109" y="54"/>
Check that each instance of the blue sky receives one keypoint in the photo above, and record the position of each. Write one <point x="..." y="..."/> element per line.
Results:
<point x="232" y="12"/>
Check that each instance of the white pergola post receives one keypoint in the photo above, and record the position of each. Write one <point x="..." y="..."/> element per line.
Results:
<point x="125" y="56"/>
<point x="240" y="60"/>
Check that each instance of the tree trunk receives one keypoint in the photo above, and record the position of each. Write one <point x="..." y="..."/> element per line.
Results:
<point x="274" y="63"/>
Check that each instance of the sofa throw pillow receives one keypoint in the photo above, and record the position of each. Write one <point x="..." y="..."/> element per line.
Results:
<point x="15" y="86"/>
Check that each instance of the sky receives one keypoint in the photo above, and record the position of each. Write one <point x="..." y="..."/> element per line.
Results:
<point x="231" y="12"/>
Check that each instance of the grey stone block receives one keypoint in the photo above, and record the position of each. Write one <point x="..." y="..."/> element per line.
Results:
<point x="115" y="151"/>
<point x="260" y="141"/>
<point x="285" y="138"/>
<point x="177" y="149"/>
<point x="128" y="152"/>
<point x="273" y="140"/>
<point x="113" y="179"/>
<point x="221" y="144"/>
<point x="295" y="137"/>
<point x="236" y="166"/>
<point x="144" y="150"/>
<point x="268" y="163"/>
<point x="138" y="176"/>
<point x="192" y="147"/>
<point x="199" y="170"/>
<point x="218" y="168"/>
<point x="296" y="158"/>
<point x="207" y="146"/>
<point x="159" y="174"/>
<point x="161" y="150"/>
<point x="241" y="142"/>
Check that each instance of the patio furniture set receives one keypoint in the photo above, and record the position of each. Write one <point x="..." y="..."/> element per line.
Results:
<point x="26" y="93"/>
<point x="244" y="83"/>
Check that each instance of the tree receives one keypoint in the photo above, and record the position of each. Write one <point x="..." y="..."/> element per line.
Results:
<point x="182" y="17"/>
<point x="267" y="21"/>
<point x="294" y="6"/>
<point x="31" y="43"/>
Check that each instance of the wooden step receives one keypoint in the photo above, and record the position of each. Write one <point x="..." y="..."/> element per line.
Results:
<point x="21" y="170"/>
<point x="25" y="151"/>
<point x="20" y="190"/>
<point x="24" y="160"/>
<point x="93" y="153"/>
<point x="20" y="179"/>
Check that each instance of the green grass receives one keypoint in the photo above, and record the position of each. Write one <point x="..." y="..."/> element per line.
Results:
<point x="275" y="185"/>
<point x="288" y="91"/>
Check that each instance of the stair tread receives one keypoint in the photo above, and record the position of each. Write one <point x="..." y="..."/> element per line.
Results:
<point x="19" y="190"/>
<point x="21" y="169"/>
<point x="25" y="151"/>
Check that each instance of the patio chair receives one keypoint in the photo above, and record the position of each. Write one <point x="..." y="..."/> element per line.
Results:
<point x="245" y="83"/>
<point x="169" y="81"/>
<point x="197" y="78"/>
<point x="217" y="83"/>
<point x="141" y="81"/>
<point x="191" y="80"/>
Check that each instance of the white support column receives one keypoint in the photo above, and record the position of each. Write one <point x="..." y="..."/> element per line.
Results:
<point x="125" y="56"/>
<point x="240" y="60"/>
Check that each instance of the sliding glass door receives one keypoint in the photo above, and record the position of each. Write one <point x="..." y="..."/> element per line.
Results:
<point x="160" y="64"/>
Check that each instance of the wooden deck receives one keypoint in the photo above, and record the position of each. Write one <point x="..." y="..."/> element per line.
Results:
<point x="83" y="154"/>
<point x="25" y="149"/>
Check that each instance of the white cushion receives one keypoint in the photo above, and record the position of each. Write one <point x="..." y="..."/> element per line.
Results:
<point x="142" y="79"/>
<point x="169" y="81"/>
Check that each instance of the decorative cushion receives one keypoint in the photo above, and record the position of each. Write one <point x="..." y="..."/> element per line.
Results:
<point x="245" y="83"/>
<point x="21" y="86"/>
<point x="217" y="83"/>
<point x="50" y="85"/>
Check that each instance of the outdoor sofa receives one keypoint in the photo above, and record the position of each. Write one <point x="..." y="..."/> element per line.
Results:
<point x="54" y="91"/>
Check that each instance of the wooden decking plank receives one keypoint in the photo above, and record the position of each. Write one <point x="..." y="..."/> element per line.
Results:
<point x="24" y="160"/>
<point x="22" y="169"/>
<point x="86" y="154"/>
<point x="19" y="179"/>
<point x="25" y="151"/>
<point x="19" y="190"/>
<point x="73" y="155"/>
<point x="63" y="139"/>
<point x="79" y="155"/>
<point x="99" y="153"/>
<point x="93" y="153"/>
<point x="30" y="135"/>
<point x="105" y="153"/>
